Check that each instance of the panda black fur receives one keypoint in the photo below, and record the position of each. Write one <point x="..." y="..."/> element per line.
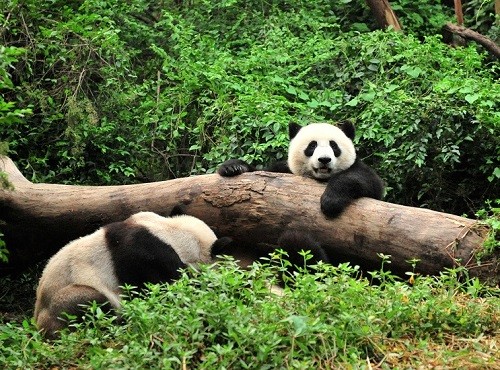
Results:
<point x="294" y="242"/>
<point x="326" y="153"/>
<point x="145" y="248"/>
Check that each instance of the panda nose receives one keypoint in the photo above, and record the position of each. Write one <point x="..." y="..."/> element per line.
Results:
<point x="324" y="160"/>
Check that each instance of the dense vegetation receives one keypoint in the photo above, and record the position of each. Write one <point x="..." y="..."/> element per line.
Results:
<point x="109" y="92"/>
<point x="226" y="318"/>
<point x="143" y="91"/>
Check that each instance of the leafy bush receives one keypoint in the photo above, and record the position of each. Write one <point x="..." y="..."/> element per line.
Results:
<point x="430" y="122"/>
<point x="480" y="16"/>
<point x="490" y="216"/>
<point x="140" y="92"/>
<point x="422" y="18"/>
<point x="227" y="318"/>
<point x="9" y="114"/>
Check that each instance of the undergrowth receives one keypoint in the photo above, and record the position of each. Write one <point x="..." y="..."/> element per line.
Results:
<point x="490" y="216"/>
<point x="226" y="317"/>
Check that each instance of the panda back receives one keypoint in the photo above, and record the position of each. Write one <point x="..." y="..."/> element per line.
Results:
<point x="150" y="248"/>
<point x="190" y="237"/>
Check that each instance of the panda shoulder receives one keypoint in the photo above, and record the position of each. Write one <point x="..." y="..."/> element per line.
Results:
<point x="145" y="216"/>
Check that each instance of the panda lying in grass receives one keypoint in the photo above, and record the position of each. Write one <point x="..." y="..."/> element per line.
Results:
<point x="325" y="153"/>
<point x="145" y="248"/>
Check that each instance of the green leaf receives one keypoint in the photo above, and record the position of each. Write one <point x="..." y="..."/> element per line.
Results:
<point x="313" y="103"/>
<point x="471" y="98"/>
<point x="369" y="96"/>
<point x="353" y="102"/>
<point x="411" y="70"/>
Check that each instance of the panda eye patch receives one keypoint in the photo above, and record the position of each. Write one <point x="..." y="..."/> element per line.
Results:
<point x="310" y="148"/>
<point x="336" y="149"/>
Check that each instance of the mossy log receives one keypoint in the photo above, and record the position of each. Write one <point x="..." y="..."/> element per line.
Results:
<point x="38" y="219"/>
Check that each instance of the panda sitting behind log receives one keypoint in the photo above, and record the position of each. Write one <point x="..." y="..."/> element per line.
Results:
<point x="145" y="248"/>
<point x="326" y="153"/>
<point x="294" y="243"/>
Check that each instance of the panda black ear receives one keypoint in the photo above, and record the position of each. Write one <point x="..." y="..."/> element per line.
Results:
<point x="348" y="128"/>
<point x="293" y="129"/>
<point x="178" y="210"/>
<point x="221" y="246"/>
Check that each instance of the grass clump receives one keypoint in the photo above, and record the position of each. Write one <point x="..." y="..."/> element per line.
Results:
<point x="226" y="317"/>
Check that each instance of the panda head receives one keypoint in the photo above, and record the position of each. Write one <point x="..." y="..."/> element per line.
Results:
<point x="320" y="150"/>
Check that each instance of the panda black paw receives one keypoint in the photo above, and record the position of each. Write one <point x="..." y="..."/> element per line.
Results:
<point x="234" y="167"/>
<point x="332" y="207"/>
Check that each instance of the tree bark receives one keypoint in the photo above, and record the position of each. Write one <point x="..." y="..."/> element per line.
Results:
<point x="38" y="219"/>
<point x="459" y="12"/>
<point x="383" y="13"/>
<point x="466" y="33"/>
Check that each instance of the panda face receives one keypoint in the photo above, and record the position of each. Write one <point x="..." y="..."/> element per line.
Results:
<point x="320" y="150"/>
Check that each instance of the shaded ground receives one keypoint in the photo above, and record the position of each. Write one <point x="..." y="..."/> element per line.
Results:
<point x="17" y="294"/>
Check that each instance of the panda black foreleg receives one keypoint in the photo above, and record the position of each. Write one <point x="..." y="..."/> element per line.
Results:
<point x="343" y="188"/>
<point x="280" y="166"/>
<point x="336" y="197"/>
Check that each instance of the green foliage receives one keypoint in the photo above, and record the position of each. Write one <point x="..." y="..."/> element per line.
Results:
<point x="226" y="317"/>
<point x="145" y="91"/>
<point x="490" y="216"/>
<point x="480" y="16"/>
<point x="422" y="18"/>
<point x="9" y="114"/>
<point x="4" y="253"/>
<point x="432" y="122"/>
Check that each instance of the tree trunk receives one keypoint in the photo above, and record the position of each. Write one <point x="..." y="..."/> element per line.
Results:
<point x="459" y="12"/>
<point x="38" y="219"/>
<point x="383" y="13"/>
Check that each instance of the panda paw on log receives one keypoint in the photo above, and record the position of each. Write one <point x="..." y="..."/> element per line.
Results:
<point x="325" y="153"/>
<point x="145" y="248"/>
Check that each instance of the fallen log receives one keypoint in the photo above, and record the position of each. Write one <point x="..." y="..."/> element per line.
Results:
<point x="38" y="219"/>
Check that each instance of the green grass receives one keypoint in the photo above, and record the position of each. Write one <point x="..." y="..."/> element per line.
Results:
<point x="225" y="317"/>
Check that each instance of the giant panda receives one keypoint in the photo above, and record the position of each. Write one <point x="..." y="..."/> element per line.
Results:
<point x="293" y="243"/>
<point x="144" y="248"/>
<point x="325" y="153"/>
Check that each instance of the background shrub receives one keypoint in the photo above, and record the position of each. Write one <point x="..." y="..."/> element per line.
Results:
<point x="147" y="91"/>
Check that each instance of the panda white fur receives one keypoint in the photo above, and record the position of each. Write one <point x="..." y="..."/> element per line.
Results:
<point x="326" y="153"/>
<point x="145" y="248"/>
